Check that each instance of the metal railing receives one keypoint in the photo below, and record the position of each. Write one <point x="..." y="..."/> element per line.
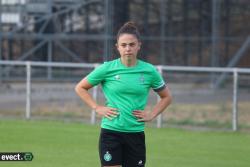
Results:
<point x="29" y="64"/>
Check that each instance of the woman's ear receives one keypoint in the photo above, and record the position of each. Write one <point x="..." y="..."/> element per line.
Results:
<point x="139" y="44"/>
<point x="117" y="49"/>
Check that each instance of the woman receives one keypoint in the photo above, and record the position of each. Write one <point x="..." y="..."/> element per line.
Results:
<point x="126" y="82"/>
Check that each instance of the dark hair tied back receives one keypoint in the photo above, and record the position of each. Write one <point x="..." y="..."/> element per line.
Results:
<point x="129" y="28"/>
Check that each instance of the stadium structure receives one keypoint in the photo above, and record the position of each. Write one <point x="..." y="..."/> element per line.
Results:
<point x="174" y="32"/>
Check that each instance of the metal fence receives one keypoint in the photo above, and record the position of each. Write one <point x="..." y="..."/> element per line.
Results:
<point x="32" y="76"/>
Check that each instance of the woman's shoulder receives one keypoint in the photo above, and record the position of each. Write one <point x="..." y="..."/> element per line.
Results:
<point x="147" y="65"/>
<point x="109" y="63"/>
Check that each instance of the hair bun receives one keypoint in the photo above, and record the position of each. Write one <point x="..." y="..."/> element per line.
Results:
<point x="129" y="27"/>
<point x="130" y="24"/>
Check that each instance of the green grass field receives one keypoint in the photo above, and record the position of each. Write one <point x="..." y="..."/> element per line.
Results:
<point x="61" y="144"/>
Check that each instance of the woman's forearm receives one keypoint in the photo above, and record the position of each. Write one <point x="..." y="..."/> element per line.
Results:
<point x="161" y="106"/>
<point x="85" y="96"/>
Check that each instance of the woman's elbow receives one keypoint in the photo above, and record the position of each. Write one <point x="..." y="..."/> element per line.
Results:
<point x="170" y="98"/>
<point x="77" y="88"/>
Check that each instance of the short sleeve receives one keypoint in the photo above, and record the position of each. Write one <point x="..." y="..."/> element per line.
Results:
<point x="97" y="75"/>
<point x="158" y="83"/>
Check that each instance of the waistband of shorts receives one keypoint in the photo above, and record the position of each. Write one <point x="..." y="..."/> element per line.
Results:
<point x="104" y="130"/>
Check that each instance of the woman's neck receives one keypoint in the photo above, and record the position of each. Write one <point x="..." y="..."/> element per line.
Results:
<point x="128" y="62"/>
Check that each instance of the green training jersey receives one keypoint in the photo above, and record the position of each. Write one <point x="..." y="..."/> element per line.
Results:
<point x="127" y="89"/>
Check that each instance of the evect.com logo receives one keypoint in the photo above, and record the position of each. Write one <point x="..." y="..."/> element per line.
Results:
<point x="16" y="156"/>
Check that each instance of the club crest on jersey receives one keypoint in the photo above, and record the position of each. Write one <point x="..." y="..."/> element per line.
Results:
<point x="141" y="79"/>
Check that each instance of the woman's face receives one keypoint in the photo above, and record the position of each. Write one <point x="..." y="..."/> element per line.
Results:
<point x="128" y="47"/>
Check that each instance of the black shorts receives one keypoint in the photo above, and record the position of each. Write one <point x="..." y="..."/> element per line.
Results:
<point x="122" y="148"/>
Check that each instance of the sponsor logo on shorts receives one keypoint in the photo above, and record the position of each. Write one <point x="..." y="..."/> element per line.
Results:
<point x="140" y="163"/>
<point x="107" y="156"/>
